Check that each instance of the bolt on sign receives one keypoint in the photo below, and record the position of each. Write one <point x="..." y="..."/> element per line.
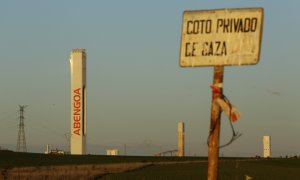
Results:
<point x="222" y="37"/>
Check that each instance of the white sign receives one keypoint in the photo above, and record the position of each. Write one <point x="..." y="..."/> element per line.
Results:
<point x="221" y="37"/>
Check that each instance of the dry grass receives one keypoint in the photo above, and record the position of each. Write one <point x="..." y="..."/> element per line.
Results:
<point x="68" y="171"/>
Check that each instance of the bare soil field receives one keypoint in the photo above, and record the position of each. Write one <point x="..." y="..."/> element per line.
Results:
<point x="68" y="171"/>
<point x="91" y="171"/>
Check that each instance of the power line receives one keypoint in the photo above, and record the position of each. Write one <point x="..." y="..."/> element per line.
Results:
<point x="21" y="142"/>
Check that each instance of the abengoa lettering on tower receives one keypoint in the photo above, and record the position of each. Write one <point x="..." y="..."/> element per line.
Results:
<point x="78" y="101"/>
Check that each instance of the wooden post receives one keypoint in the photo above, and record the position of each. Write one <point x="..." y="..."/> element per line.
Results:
<point x="215" y="123"/>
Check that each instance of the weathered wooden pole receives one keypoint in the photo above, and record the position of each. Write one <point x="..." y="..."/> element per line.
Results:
<point x="215" y="123"/>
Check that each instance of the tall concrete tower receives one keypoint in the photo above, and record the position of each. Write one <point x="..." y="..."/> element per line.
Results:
<point x="180" y="139"/>
<point x="267" y="146"/>
<point x="78" y="101"/>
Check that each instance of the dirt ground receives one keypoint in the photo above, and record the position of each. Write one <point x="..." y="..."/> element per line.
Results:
<point x="68" y="171"/>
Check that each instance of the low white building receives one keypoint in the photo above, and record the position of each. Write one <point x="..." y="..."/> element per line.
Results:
<point x="112" y="152"/>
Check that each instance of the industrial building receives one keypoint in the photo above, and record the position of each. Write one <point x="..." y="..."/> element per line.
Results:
<point x="55" y="151"/>
<point x="78" y="101"/>
<point x="267" y="146"/>
<point x="180" y="151"/>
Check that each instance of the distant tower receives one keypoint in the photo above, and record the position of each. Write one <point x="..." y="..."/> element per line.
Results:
<point x="68" y="138"/>
<point x="180" y="139"/>
<point x="267" y="146"/>
<point x="21" y="142"/>
<point x="47" y="149"/>
<point x="78" y="101"/>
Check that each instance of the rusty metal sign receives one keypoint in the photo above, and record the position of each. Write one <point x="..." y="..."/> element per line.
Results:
<point x="222" y="37"/>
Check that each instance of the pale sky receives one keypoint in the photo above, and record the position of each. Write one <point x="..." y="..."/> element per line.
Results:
<point x="136" y="91"/>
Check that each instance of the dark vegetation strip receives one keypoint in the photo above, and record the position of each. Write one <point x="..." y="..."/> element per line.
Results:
<point x="171" y="171"/>
<point x="229" y="169"/>
<point x="126" y="171"/>
<point x="162" y="167"/>
<point x="14" y="159"/>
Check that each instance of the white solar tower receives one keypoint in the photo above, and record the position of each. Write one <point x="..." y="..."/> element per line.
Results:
<point x="267" y="146"/>
<point x="78" y="101"/>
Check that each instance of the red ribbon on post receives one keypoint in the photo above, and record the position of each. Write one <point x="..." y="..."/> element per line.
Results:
<point x="230" y="111"/>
